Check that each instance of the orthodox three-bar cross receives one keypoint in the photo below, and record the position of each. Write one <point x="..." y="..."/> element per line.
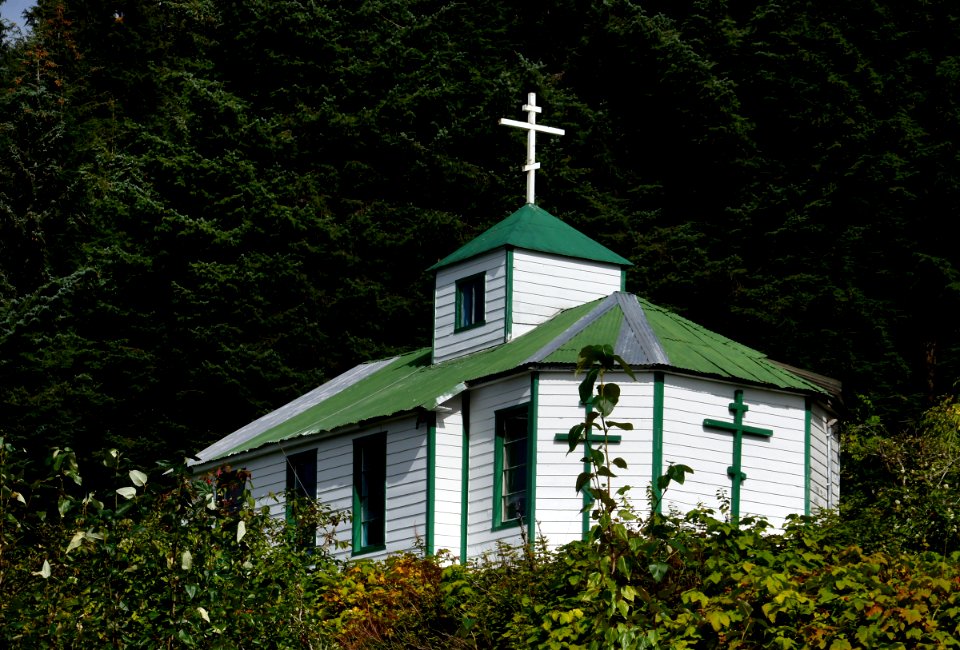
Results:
<point x="738" y="429"/>
<point x="532" y="127"/>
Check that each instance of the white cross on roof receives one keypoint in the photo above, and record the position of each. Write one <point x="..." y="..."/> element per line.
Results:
<point x="532" y="127"/>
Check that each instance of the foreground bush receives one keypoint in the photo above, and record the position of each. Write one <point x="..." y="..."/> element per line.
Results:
<point x="159" y="562"/>
<point x="156" y="563"/>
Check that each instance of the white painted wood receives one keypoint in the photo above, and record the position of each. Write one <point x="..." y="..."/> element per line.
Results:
<point x="447" y="501"/>
<point x="544" y="285"/>
<point x="558" y="504"/>
<point x="774" y="466"/>
<point x="824" y="461"/>
<point x="531" y="128"/>
<point x="447" y="343"/>
<point x="484" y="402"/>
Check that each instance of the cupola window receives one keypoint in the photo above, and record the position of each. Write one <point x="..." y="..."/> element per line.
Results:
<point x="470" y="302"/>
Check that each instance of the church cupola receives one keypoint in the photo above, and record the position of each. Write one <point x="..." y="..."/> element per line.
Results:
<point x="519" y="273"/>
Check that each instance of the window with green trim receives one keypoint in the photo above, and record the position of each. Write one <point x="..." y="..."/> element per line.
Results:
<point x="301" y="497"/>
<point x="470" y="302"/>
<point x="510" y="467"/>
<point x="369" y="493"/>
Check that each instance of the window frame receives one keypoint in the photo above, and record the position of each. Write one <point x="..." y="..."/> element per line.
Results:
<point x="364" y="447"/>
<point x="477" y="282"/>
<point x="500" y="418"/>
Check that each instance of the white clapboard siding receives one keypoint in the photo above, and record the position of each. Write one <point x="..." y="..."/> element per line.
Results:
<point x="447" y="343"/>
<point x="406" y="485"/>
<point x="819" y="465"/>
<point x="406" y="481"/>
<point x="545" y="284"/>
<point x="774" y="466"/>
<point x="558" y="504"/>
<point x="484" y="402"/>
<point x="268" y="481"/>
<point x="449" y="468"/>
<point x="824" y="462"/>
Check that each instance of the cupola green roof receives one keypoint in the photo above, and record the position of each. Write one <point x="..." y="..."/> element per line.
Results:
<point x="533" y="228"/>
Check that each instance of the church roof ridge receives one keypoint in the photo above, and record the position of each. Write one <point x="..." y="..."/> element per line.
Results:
<point x="644" y="334"/>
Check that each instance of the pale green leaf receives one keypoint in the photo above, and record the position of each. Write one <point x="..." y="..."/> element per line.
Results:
<point x="76" y="541"/>
<point x="139" y="478"/>
<point x="127" y="492"/>
<point x="44" y="571"/>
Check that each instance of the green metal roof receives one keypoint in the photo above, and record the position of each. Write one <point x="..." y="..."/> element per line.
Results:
<point x="535" y="229"/>
<point x="642" y="333"/>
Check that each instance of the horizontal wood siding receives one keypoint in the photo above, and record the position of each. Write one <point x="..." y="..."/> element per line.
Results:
<point x="824" y="461"/>
<point x="545" y="284"/>
<point x="558" y="504"/>
<point x="819" y="465"/>
<point x="448" y="478"/>
<point x="774" y="466"/>
<point x="406" y="481"/>
<point x="268" y="482"/>
<point x="406" y="485"/>
<point x="446" y="342"/>
<point x="484" y="402"/>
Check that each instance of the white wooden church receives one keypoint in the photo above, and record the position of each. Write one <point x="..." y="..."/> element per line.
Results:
<point x="462" y="445"/>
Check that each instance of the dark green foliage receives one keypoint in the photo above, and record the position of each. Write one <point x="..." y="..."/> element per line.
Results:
<point x="208" y="208"/>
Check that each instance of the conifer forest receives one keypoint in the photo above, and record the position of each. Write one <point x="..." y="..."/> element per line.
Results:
<point x="210" y="207"/>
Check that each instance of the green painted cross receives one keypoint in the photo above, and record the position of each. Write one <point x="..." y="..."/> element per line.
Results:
<point x="590" y="437"/>
<point x="738" y="429"/>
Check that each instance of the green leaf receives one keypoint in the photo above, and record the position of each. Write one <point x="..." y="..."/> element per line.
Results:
<point x="76" y="540"/>
<point x="619" y="462"/>
<point x="583" y="479"/>
<point x="624" y="366"/>
<point x="586" y="386"/>
<point x="658" y="570"/>
<point x="241" y="530"/>
<point x="625" y="426"/>
<point x="44" y="571"/>
<point x="575" y="436"/>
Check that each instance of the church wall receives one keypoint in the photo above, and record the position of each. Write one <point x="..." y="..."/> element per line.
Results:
<point x="406" y="481"/>
<point x="448" y="494"/>
<point x="774" y="466"/>
<point x="558" y="505"/>
<point x="545" y="284"/>
<point x="268" y="478"/>
<point x="484" y="402"/>
<point x="449" y="343"/>
<point x="824" y="462"/>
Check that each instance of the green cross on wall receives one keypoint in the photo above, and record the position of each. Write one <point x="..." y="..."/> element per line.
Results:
<point x="589" y="438"/>
<point x="738" y="429"/>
